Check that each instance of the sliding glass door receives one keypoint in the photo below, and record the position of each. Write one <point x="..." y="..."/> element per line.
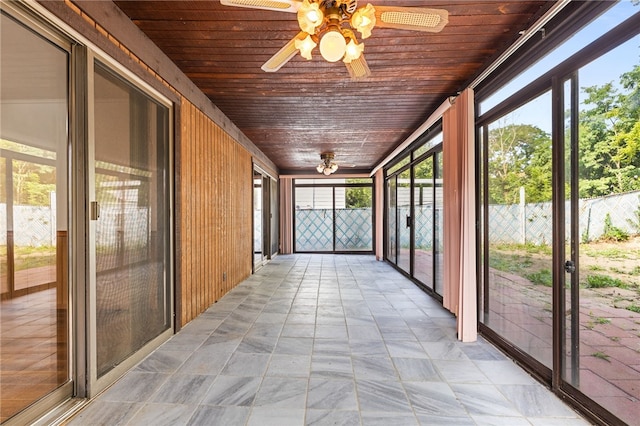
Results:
<point x="602" y="266"/>
<point x="130" y="228"/>
<point x="414" y="237"/>
<point x="34" y="217"/>
<point x="423" y="208"/>
<point x="519" y="228"/>
<point x="561" y="219"/>
<point x="333" y="215"/>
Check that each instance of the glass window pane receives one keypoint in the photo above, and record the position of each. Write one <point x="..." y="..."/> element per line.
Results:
<point x="520" y="228"/>
<point x="431" y="143"/>
<point x="33" y="217"/>
<point x="399" y="165"/>
<point x="439" y="224"/>
<point x="131" y="169"/>
<point x="314" y="219"/>
<point x="608" y="275"/>
<point x="392" y="228"/>
<point x="599" y="27"/>
<point x="404" y="218"/>
<point x="354" y="221"/>
<point x="424" y="214"/>
<point x="258" y="241"/>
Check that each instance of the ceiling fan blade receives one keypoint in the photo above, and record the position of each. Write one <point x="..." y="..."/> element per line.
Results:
<point x="411" y="18"/>
<point x="358" y="68"/>
<point x="276" y="5"/>
<point x="283" y="55"/>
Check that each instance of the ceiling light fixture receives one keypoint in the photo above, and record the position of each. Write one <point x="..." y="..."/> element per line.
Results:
<point x="333" y="45"/>
<point x="327" y="166"/>
<point x="324" y="22"/>
<point x="332" y="24"/>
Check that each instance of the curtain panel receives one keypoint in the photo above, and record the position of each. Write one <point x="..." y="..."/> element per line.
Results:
<point x="460" y="287"/>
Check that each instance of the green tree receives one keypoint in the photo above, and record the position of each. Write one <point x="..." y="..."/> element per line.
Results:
<point x="519" y="155"/>
<point x="358" y="198"/>
<point x="610" y="137"/>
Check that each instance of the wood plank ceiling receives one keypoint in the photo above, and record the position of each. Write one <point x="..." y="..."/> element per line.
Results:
<point x="310" y="107"/>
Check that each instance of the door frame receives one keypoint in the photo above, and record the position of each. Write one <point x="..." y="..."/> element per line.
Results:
<point x="88" y="327"/>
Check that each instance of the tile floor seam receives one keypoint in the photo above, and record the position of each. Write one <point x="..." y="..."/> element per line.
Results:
<point x="371" y="290"/>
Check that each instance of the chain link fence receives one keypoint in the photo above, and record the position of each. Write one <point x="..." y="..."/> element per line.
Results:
<point x="33" y="226"/>
<point x="353" y="227"/>
<point x="532" y="223"/>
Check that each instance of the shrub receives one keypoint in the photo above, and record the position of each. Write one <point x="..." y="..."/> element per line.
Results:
<point x="613" y="233"/>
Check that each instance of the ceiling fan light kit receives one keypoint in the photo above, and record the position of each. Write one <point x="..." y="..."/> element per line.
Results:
<point x="333" y="45"/>
<point x="327" y="166"/>
<point x="330" y="24"/>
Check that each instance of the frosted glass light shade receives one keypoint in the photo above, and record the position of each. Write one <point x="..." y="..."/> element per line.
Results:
<point x="364" y="19"/>
<point x="353" y="51"/>
<point x="310" y="17"/>
<point x="332" y="46"/>
<point x="305" y="47"/>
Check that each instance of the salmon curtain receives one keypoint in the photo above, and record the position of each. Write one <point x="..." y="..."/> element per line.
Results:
<point x="460" y="288"/>
<point x="379" y="214"/>
<point x="286" y="215"/>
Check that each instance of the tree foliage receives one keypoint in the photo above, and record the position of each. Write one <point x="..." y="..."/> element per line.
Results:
<point x="609" y="143"/>
<point x="610" y="137"/>
<point x="519" y="155"/>
<point x="358" y="198"/>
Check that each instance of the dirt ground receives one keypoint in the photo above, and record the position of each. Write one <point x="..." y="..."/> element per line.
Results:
<point x="619" y="261"/>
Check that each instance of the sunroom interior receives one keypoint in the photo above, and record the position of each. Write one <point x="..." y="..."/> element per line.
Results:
<point x="150" y="166"/>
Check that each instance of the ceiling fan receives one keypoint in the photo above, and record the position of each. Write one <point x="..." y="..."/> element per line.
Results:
<point x="331" y="24"/>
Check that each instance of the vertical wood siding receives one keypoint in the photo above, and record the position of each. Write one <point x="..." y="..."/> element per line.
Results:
<point x="215" y="196"/>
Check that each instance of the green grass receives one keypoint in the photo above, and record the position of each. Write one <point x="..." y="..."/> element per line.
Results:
<point x="509" y="262"/>
<point x="529" y="248"/>
<point x="634" y="308"/>
<point x="543" y="277"/>
<point x="27" y="257"/>
<point x="602" y="281"/>
<point x="600" y="320"/>
<point x="610" y="252"/>
<point x="601" y="355"/>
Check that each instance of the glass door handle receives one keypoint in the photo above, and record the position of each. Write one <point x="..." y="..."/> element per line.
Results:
<point x="408" y="221"/>
<point x="570" y="266"/>
<point x="94" y="210"/>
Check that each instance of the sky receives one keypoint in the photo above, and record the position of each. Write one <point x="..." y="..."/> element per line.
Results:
<point x="605" y="69"/>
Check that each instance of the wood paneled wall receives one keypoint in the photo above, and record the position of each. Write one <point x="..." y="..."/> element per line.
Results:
<point x="213" y="204"/>
<point x="215" y="222"/>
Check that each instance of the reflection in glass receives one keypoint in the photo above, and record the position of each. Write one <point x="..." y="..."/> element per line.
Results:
<point x="131" y="169"/>
<point x="439" y="224"/>
<point x="392" y="227"/>
<point x="258" y="235"/>
<point x="33" y="218"/>
<point x="520" y="228"/>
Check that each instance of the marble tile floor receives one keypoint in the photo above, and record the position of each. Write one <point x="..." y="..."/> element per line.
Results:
<point x="326" y="340"/>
